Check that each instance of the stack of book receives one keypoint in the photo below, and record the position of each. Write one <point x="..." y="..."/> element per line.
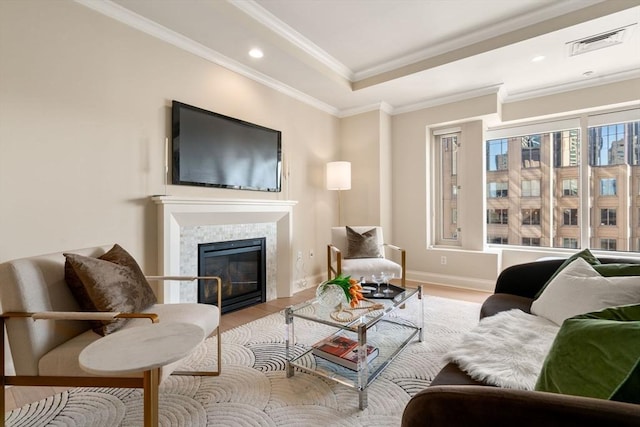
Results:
<point x="343" y="351"/>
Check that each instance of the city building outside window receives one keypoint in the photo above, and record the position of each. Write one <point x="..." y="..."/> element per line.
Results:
<point x="498" y="189"/>
<point x="608" y="244"/>
<point x="498" y="216"/>
<point x="607" y="186"/>
<point x="570" y="187"/>
<point x="614" y="165"/>
<point x="551" y="165"/>
<point x="570" y="217"/>
<point x="530" y="151"/>
<point x="530" y="241"/>
<point x="530" y="216"/>
<point x="446" y="152"/>
<point x="575" y="181"/>
<point x="607" y="145"/>
<point x="531" y="188"/>
<point x="497" y="155"/>
<point x="569" y="242"/>
<point x="608" y="216"/>
<point x="498" y="240"/>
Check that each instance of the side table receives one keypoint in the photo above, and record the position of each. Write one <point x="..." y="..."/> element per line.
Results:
<point x="142" y="349"/>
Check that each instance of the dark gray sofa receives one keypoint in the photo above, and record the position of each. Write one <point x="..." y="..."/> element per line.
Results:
<point x="455" y="399"/>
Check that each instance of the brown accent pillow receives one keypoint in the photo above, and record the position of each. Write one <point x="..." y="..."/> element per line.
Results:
<point x="363" y="245"/>
<point x="111" y="282"/>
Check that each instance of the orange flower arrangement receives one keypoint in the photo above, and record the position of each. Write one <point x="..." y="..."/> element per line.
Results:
<point x="352" y="289"/>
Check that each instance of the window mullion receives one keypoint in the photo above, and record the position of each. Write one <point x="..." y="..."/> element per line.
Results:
<point x="583" y="188"/>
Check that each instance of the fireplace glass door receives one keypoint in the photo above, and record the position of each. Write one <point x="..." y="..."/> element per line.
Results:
<point x="241" y="265"/>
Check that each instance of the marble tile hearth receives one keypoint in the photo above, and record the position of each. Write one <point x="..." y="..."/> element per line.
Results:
<point x="183" y="223"/>
<point x="192" y="236"/>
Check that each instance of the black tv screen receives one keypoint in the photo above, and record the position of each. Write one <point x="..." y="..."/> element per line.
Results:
<point x="213" y="150"/>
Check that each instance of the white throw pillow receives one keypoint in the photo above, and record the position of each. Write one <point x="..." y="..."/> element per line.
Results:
<point x="579" y="289"/>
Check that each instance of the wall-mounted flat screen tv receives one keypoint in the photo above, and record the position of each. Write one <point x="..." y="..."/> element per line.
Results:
<point x="213" y="150"/>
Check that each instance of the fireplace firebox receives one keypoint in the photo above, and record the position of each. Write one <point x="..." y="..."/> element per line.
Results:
<point x="241" y="265"/>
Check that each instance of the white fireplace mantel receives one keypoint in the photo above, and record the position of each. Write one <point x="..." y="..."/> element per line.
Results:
<point x="176" y="212"/>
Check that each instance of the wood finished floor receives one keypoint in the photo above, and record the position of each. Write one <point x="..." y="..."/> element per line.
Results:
<point x="16" y="397"/>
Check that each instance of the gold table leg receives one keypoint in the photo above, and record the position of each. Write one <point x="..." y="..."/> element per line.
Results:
<point x="150" y="397"/>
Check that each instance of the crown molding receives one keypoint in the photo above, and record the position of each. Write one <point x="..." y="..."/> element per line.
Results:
<point x="596" y="9"/>
<point x="449" y="99"/>
<point x="567" y="87"/>
<point x="498" y="29"/>
<point x="121" y="14"/>
<point x="378" y="106"/>
<point x="266" y="18"/>
<point x="127" y="17"/>
<point x="387" y="108"/>
<point x="503" y="97"/>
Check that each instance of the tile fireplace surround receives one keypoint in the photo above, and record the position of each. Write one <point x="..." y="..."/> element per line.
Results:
<point x="177" y="215"/>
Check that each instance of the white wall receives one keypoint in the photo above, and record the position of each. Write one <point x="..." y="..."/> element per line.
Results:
<point x="84" y="113"/>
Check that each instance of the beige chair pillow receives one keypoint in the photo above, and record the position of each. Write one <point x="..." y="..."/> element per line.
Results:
<point x="111" y="282"/>
<point x="363" y="245"/>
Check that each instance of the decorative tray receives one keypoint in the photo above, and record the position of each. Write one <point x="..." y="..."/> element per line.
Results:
<point x="370" y="289"/>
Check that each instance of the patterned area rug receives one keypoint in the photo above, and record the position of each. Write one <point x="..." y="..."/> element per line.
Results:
<point x="253" y="389"/>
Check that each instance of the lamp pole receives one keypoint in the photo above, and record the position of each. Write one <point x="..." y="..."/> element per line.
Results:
<point x="339" y="178"/>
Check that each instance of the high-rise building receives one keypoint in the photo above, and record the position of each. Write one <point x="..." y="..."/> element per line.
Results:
<point x="534" y="196"/>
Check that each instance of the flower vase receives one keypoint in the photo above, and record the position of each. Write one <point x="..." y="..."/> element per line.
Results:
<point x="330" y="296"/>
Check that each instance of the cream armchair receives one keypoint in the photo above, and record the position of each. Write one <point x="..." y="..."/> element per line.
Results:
<point x="47" y="331"/>
<point x="345" y="257"/>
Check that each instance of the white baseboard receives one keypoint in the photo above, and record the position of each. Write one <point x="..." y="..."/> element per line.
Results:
<point x="452" y="281"/>
<point x="419" y="276"/>
<point x="308" y="282"/>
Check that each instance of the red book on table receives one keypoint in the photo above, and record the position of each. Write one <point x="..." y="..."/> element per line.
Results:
<point x="343" y="351"/>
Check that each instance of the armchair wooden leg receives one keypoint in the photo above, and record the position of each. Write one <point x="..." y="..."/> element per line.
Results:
<point x="150" y="397"/>
<point x="2" y="403"/>
<point x="2" y="372"/>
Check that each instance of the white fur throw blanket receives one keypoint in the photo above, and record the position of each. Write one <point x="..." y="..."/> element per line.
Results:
<point x="506" y="349"/>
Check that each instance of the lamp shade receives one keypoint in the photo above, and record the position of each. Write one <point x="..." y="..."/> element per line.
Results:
<point x="339" y="176"/>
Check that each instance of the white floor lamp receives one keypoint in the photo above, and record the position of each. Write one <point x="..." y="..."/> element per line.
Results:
<point x="339" y="178"/>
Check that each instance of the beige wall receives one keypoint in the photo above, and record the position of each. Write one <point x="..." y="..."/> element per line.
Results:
<point x="84" y="113"/>
<point x="471" y="265"/>
<point x="412" y="212"/>
<point x="360" y="144"/>
<point x="620" y="93"/>
<point x="366" y="142"/>
<point x="386" y="175"/>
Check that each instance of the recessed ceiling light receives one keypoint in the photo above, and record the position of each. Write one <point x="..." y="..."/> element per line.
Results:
<point x="256" y="53"/>
<point x="537" y="58"/>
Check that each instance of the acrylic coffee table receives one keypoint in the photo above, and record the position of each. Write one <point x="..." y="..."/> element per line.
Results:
<point x="142" y="349"/>
<point x="389" y="329"/>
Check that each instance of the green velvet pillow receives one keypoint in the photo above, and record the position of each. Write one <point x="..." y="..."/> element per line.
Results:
<point x="611" y="270"/>
<point x="111" y="282"/>
<point x="596" y="355"/>
<point x="584" y="254"/>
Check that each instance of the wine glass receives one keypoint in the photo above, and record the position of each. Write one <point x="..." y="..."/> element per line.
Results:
<point x="377" y="279"/>
<point x="386" y="277"/>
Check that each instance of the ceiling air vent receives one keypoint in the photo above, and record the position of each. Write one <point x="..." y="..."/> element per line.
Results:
<point x="599" y="41"/>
